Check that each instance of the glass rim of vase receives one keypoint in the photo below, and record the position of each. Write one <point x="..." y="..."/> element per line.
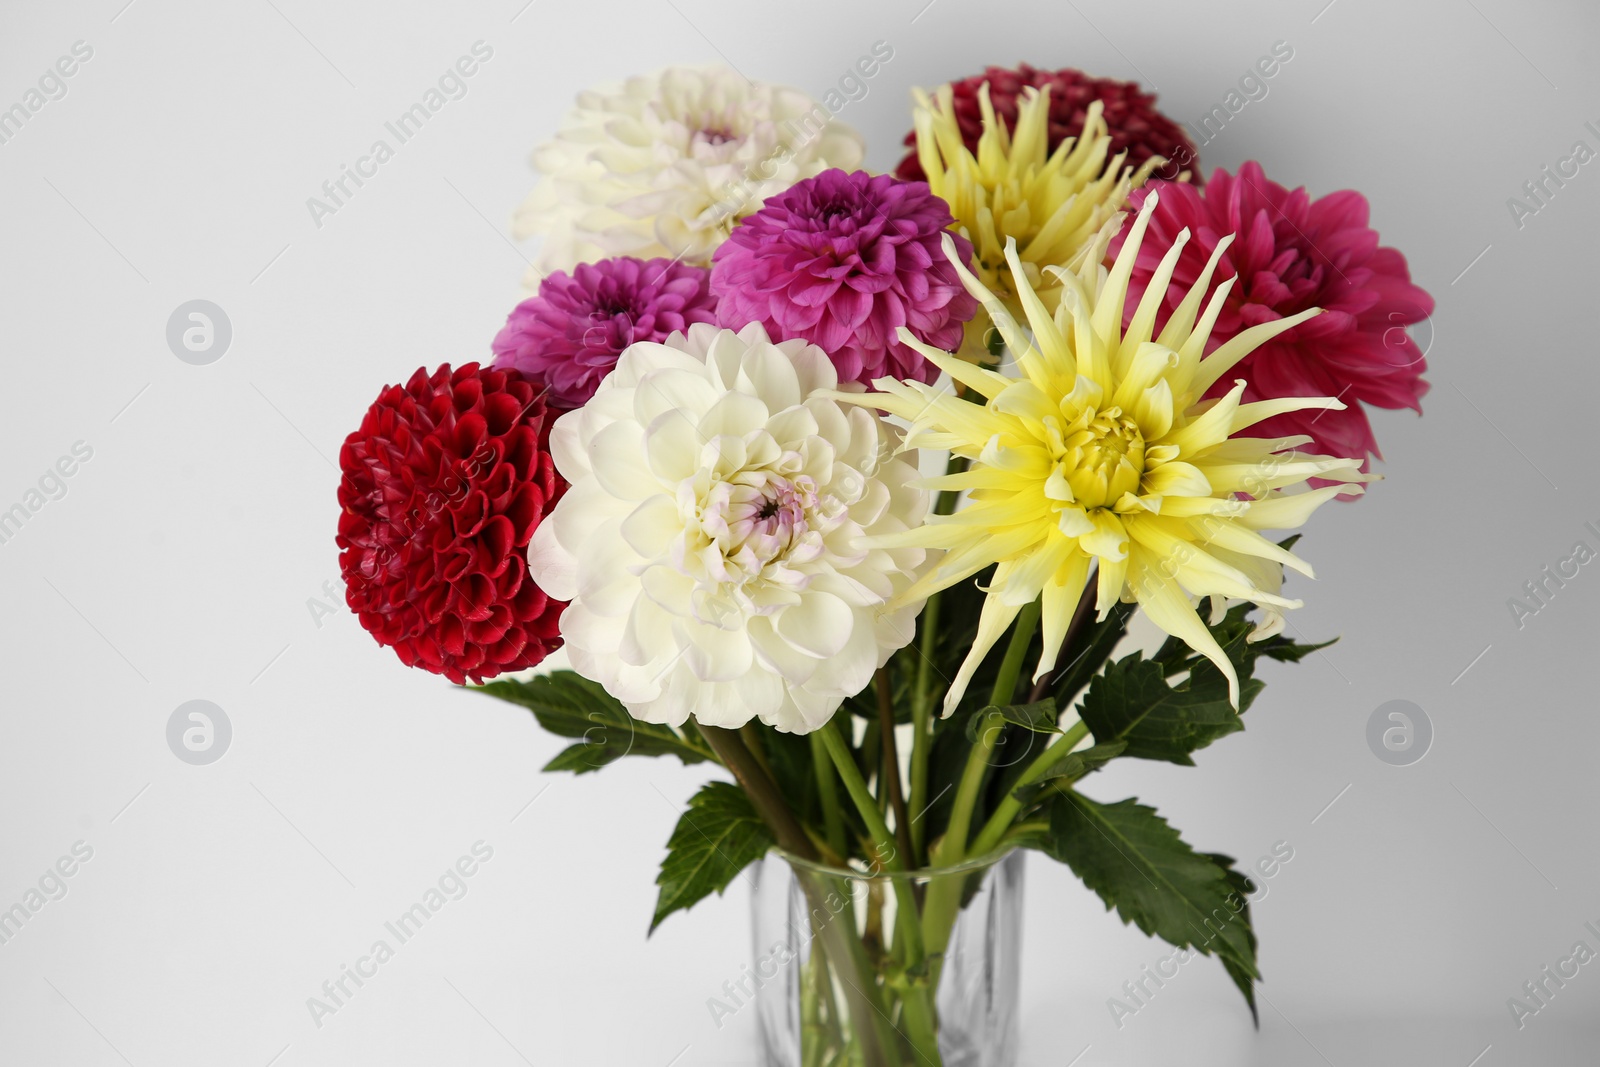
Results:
<point x="920" y="874"/>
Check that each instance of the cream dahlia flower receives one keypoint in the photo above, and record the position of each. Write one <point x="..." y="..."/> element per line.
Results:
<point x="1014" y="189"/>
<point x="1102" y="452"/>
<point x="714" y="542"/>
<point x="667" y="163"/>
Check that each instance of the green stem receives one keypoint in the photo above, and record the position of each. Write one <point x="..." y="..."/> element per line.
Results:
<point x="762" y="791"/>
<point x="822" y="767"/>
<point x="845" y="947"/>
<point x="869" y="1020"/>
<point x="889" y="777"/>
<point x="999" y="821"/>
<point x="1022" y="829"/>
<point x="751" y="733"/>
<point x="943" y="898"/>
<point x="922" y="725"/>
<point x="953" y="848"/>
<point x="813" y="1035"/>
<point x="920" y="1027"/>
<point x="867" y="756"/>
<point x="1008" y="808"/>
<point x="920" y="1024"/>
<point x="1005" y="683"/>
<point x="867" y="805"/>
<point x="922" y="695"/>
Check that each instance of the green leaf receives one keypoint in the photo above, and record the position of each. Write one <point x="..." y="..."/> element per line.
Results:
<point x="1041" y="717"/>
<point x="718" y="836"/>
<point x="1284" y="650"/>
<point x="1134" y="698"/>
<point x="1232" y="633"/>
<point x="569" y="705"/>
<point x="1072" y="767"/>
<point x="1243" y="887"/>
<point x="1071" y="677"/>
<point x="1139" y="865"/>
<point x="1132" y="702"/>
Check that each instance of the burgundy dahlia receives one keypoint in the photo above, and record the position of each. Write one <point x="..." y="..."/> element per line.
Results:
<point x="1131" y="116"/>
<point x="443" y="486"/>
<point x="1293" y="253"/>
<point x="571" y="333"/>
<point x="842" y="261"/>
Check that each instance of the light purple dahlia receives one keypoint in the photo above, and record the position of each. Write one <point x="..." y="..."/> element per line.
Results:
<point x="571" y="333"/>
<point x="842" y="261"/>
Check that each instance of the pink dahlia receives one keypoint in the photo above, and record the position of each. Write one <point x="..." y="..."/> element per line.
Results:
<point x="571" y="333"/>
<point x="1135" y="125"/>
<point x="842" y="261"/>
<point x="443" y="486"/>
<point x="1293" y="253"/>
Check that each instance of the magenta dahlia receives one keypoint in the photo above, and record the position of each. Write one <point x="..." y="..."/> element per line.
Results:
<point x="1291" y="253"/>
<point x="443" y="486"/>
<point x="1136" y="127"/>
<point x="571" y="333"/>
<point x="842" y="261"/>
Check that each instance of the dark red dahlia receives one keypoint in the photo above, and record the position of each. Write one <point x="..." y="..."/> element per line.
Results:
<point x="1131" y="116"/>
<point x="444" y="484"/>
<point x="1291" y="253"/>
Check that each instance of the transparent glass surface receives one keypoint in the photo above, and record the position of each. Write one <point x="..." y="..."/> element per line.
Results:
<point x="876" y="969"/>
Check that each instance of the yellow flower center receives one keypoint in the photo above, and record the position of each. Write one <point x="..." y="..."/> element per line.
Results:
<point x="1161" y="495"/>
<point x="1099" y="456"/>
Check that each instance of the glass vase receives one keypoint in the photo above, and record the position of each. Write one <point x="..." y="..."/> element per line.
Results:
<point x="871" y="968"/>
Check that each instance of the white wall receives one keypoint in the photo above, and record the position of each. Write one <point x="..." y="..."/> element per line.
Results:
<point x="180" y="562"/>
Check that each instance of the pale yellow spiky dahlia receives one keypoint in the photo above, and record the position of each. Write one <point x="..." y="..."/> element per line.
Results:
<point x="1013" y="189"/>
<point x="1103" y="453"/>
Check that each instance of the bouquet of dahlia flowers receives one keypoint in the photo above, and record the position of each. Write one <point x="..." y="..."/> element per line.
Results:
<point x="851" y="483"/>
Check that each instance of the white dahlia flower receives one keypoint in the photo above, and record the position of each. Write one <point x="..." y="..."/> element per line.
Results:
<point x="667" y="163"/>
<point x="714" y="543"/>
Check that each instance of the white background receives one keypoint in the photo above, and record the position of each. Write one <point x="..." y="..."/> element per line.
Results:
<point x="180" y="563"/>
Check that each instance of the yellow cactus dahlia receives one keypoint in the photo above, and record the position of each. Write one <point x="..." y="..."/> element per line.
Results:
<point x="1102" y="452"/>
<point x="1050" y="203"/>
